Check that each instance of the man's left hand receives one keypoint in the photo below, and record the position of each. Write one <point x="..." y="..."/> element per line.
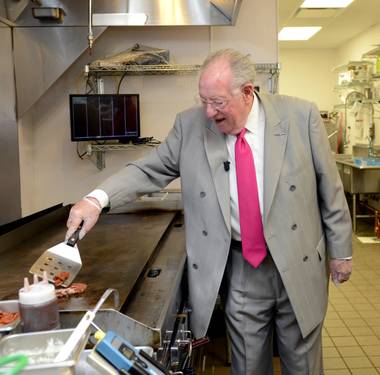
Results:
<point x="340" y="270"/>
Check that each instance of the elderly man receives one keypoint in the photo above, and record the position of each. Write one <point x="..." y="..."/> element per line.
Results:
<point x="265" y="214"/>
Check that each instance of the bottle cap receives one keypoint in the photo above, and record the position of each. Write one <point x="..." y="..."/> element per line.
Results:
<point x="36" y="293"/>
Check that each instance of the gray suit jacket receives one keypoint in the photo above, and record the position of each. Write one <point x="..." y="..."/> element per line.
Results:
<point x="306" y="218"/>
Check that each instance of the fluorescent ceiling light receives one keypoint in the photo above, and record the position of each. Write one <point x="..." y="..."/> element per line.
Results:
<point x="298" y="33"/>
<point x="326" y="3"/>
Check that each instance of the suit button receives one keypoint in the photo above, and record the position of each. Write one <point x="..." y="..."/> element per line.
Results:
<point x="292" y="187"/>
<point x="202" y="194"/>
<point x="294" y="226"/>
<point x="204" y="232"/>
<point x="305" y="258"/>
<point x="195" y="266"/>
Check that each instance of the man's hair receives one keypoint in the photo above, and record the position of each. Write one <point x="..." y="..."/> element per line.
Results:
<point x="242" y="67"/>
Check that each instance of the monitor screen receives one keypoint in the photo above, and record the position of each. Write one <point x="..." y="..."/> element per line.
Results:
<point x="104" y="117"/>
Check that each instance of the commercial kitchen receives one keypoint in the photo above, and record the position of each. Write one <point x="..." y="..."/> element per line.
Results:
<point x="57" y="55"/>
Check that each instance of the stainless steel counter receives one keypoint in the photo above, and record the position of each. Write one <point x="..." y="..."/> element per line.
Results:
<point x="358" y="162"/>
<point x="359" y="176"/>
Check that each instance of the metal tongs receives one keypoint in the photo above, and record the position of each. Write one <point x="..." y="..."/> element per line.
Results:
<point x="74" y="339"/>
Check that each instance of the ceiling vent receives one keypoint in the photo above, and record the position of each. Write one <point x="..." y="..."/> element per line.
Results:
<point x="318" y="12"/>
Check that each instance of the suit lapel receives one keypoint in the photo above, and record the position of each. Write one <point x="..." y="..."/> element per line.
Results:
<point x="276" y="133"/>
<point x="216" y="151"/>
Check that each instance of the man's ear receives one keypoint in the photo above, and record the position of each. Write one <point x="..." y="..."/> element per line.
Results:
<point x="248" y="90"/>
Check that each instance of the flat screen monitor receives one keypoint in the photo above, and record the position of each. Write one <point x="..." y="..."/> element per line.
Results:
<point x="104" y="117"/>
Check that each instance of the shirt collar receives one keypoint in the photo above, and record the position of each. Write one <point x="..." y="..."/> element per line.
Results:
<point x="253" y="116"/>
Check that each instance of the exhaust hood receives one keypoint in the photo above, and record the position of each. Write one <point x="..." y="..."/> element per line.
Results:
<point x="124" y="12"/>
<point x="172" y="13"/>
<point x="57" y="32"/>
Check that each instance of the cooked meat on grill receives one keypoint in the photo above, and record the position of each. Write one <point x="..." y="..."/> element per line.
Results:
<point x="60" y="278"/>
<point x="72" y="290"/>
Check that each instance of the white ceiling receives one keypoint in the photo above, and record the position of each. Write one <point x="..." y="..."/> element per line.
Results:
<point x="337" y="28"/>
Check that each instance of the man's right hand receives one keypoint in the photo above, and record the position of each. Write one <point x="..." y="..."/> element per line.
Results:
<point x="86" y="210"/>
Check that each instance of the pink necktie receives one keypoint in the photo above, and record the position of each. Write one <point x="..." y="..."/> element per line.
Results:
<point x="251" y="226"/>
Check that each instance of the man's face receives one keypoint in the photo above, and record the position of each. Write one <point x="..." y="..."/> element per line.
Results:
<point x="228" y="108"/>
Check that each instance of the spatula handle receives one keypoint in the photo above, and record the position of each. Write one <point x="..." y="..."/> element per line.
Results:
<point x="73" y="239"/>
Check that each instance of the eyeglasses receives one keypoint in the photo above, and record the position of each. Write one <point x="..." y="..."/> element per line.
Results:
<point x="216" y="104"/>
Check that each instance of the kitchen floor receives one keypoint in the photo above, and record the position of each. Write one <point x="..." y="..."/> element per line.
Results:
<point x="351" y="333"/>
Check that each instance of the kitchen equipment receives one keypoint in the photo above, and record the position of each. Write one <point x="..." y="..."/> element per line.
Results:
<point x="63" y="257"/>
<point x="355" y="71"/>
<point x="82" y="327"/>
<point x="41" y="348"/>
<point x="123" y="357"/>
<point x="38" y="306"/>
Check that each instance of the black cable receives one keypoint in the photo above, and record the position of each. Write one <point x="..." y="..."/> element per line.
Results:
<point x="150" y="141"/>
<point x="78" y="153"/>
<point x="90" y="84"/>
<point x="121" y="80"/>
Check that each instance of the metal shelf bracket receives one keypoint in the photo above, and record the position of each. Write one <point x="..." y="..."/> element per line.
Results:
<point x="100" y="151"/>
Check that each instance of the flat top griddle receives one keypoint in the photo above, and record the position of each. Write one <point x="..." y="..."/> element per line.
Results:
<point x="114" y="254"/>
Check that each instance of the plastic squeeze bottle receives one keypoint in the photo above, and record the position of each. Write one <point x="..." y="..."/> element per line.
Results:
<point x="38" y="306"/>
